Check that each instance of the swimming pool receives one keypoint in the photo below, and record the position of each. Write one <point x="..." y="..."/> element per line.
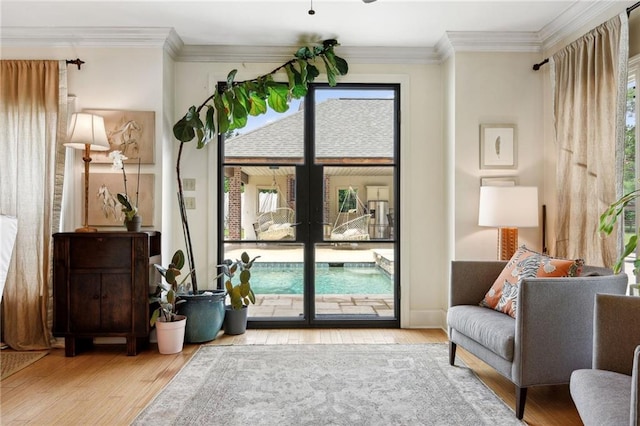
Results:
<point x="351" y="278"/>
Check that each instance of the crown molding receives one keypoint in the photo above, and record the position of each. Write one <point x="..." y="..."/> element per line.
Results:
<point x="493" y="41"/>
<point x="275" y="54"/>
<point x="88" y="36"/>
<point x="444" y="48"/>
<point x="173" y="45"/>
<point x="572" y="19"/>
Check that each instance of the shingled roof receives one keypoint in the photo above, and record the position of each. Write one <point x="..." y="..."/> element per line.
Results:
<point x="345" y="128"/>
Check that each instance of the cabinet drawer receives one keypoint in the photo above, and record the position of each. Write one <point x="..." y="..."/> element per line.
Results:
<point x="100" y="253"/>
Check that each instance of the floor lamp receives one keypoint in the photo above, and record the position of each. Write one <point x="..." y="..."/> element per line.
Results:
<point x="87" y="132"/>
<point x="508" y="208"/>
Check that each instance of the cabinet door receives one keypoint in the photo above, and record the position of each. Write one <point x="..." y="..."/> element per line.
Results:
<point x="84" y="302"/>
<point x="117" y="301"/>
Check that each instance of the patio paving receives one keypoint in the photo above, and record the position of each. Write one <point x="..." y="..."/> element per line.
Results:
<point x="290" y="305"/>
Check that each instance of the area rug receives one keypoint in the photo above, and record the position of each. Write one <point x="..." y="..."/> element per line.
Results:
<point x="325" y="385"/>
<point x="11" y="361"/>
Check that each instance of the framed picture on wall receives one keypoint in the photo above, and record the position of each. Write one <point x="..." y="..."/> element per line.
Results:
<point x="499" y="181"/>
<point x="104" y="208"/>
<point x="131" y="132"/>
<point x="498" y="146"/>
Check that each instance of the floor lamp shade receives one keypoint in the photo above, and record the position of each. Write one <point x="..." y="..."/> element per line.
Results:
<point x="508" y="208"/>
<point x="87" y="132"/>
<point x="87" y="129"/>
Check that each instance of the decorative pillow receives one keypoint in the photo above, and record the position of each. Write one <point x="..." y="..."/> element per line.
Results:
<point x="525" y="263"/>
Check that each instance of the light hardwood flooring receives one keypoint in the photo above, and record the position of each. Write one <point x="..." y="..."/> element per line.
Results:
<point x="106" y="387"/>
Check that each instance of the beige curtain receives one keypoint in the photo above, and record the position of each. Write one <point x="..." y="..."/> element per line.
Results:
<point x="32" y="124"/>
<point x="589" y="78"/>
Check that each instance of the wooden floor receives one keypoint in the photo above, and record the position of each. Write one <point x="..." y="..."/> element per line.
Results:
<point x="104" y="386"/>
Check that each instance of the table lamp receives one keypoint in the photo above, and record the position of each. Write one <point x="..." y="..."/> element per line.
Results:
<point x="508" y="208"/>
<point x="87" y="132"/>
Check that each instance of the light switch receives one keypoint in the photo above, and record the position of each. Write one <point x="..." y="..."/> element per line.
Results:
<point x="190" y="203"/>
<point x="189" y="184"/>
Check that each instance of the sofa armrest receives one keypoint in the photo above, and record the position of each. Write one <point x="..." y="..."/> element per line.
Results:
<point x="616" y="332"/>
<point x="554" y="326"/>
<point x="470" y="280"/>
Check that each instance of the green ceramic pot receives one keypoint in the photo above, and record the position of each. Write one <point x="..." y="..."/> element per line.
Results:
<point x="206" y="315"/>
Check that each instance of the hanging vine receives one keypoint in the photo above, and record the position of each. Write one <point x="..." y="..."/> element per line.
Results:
<point x="229" y="107"/>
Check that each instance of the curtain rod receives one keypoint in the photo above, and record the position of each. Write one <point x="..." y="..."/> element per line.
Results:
<point x="76" y="61"/>
<point x="536" y="67"/>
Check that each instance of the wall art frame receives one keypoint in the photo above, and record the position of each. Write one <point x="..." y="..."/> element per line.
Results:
<point x="104" y="208"/>
<point x="499" y="181"/>
<point x="131" y="132"/>
<point x="498" y="146"/>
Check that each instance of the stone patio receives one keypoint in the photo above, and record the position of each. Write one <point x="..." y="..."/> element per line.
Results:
<point x="290" y="305"/>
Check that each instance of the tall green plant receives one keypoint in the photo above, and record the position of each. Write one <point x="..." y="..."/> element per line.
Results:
<point x="230" y="106"/>
<point x="607" y="223"/>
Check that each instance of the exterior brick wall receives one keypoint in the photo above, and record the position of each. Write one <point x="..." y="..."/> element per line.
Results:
<point x="235" y="204"/>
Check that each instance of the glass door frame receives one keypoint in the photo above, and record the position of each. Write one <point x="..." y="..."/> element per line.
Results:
<point x="309" y="177"/>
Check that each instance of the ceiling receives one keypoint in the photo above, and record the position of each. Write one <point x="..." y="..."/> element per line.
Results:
<point x="383" y="23"/>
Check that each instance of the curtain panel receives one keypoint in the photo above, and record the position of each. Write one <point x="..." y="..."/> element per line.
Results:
<point x="33" y="122"/>
<point x="589" y="78"/>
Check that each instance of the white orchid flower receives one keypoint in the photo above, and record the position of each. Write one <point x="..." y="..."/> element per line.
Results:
<point x="117" y="157"/>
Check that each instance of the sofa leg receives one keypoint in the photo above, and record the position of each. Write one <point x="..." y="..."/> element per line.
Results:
<point x="452" y="353"/>
<point x="521" y="398"/>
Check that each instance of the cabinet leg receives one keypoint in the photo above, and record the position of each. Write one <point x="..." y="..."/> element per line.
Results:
<point x="136" y="344"/>
<point x="73" y="346"/>
<point x="69" y="346"/>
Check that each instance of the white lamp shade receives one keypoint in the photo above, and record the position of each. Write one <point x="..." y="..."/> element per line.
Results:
<point x="87" y="129"/>
<point x="508" y="206"/>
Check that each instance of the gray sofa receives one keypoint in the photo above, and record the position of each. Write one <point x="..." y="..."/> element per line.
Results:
<point x="551" y="336"/>
<point x="608" y="393"/>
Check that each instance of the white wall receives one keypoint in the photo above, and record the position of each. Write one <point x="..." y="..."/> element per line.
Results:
<point x="494" y="88"/>
<point x="111" y="78"/>
<point x="422" y="188"/>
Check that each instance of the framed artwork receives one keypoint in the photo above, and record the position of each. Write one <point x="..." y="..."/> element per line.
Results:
<point x="104" y="208"/>
<point x="499" y="181"/>
<point x="131" y="132"/>
<point x="498" y="146"/>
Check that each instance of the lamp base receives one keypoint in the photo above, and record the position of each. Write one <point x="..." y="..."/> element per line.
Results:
<point x="507" y="242"/>
<point x="86" y="229"/>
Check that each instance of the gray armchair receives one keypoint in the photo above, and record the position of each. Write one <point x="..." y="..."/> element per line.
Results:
<point x="608" y="393"/>
<point x="551" y="336"/>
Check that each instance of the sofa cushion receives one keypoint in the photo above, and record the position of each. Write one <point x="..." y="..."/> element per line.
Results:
<point x="525" y="263"/>
<point x="491" y="329"/>
<point x="602" y="397"/>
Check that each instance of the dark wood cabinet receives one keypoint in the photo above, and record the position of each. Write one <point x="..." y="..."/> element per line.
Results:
<point x="101" y="285"/>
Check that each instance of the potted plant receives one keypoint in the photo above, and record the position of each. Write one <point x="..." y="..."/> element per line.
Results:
<point x="205" y="310"/>
<point x="240" y="294"/>
<point x="608" y="219"/>
<point x="170" y="326"/>
<point x="132" y="220"/>
<point x="232" y="102"/>
<point x="229" y="107"/>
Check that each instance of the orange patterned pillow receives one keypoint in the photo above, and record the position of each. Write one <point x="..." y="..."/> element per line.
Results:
<point x="525" y="263"/>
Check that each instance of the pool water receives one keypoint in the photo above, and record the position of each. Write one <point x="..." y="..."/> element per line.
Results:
<point x="347" y="279"/>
